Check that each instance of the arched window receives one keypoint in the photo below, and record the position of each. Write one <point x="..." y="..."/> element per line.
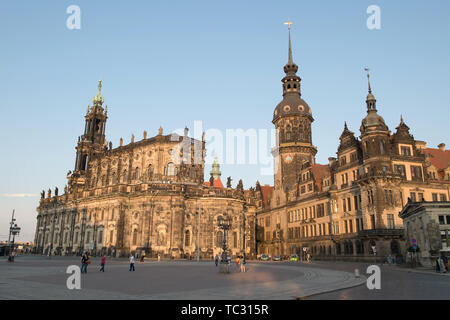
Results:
<point x="137" y="173"/>
<point x="382" y="150"/>
<point x="134" y="237"/>
<point x="170" y="169"/>
<point x="150" y="171"/>
<point x="187" y="238"/>
<point x="288" y="132"/>
<point x="219" y="239"/>
<point x="114" y="178"/>
<point x="350" y="247"/>
<point x="338" y="248"/>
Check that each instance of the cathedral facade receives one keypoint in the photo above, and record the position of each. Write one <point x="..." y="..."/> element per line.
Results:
<point x="147" y="197"/>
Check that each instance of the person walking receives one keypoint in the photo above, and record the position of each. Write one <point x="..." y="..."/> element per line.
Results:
<point x="243" y="263"/>
<point x="389" y="259"/>
<point x="444" y="263"/>
<point x="102" y="269"/>
<point x="216" y="260"/>
<point x="84" y="262"/>
<point x="238" y="262"/>
<point x="131" y="262"/>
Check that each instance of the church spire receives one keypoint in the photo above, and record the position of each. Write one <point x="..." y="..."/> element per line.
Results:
<point x="98" y="99"/>
<point x="291" y="82"/>
<point x="290" y="60"/>
<point x="370" y="101"/>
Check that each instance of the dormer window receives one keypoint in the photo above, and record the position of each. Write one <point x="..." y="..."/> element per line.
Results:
<point x="405" y="150"/>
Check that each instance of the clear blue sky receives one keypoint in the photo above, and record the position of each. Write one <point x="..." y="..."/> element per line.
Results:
<point x="172" y="62"/>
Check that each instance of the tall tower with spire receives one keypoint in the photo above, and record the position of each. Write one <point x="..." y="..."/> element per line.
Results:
<point x="292" y="118"/>
<point x="93" y="141"/>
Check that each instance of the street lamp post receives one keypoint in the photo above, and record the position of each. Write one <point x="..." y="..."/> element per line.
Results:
<point x="13" y="230"/>
<point x="198" y="231"/>
<point x="244" y="211"/>
<point x="11" y="225"/>
<point x="224" y="223"/>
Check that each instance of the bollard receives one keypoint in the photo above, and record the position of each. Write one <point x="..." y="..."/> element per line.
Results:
<point x="356" y="273"/>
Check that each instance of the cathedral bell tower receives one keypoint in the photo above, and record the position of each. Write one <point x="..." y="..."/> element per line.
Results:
<point x="93" y="141"/>
<point x="292" y="119"/>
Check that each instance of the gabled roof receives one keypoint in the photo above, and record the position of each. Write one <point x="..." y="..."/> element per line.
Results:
<point x="266" y="191"/>
<point x="320" y="171"/>
<point x="217" y="183"/>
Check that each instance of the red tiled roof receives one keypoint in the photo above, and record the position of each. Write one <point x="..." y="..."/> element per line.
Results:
<point x="266" y="191"/>
<point x="440" y="159"/>
<point x="320" y="171"/>
<point x="217" y="183"/>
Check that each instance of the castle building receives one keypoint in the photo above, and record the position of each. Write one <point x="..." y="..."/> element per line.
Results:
<point x="348" y="208"/>
<point x="146" y="197"/>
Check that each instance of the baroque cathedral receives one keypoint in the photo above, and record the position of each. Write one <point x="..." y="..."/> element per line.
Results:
<point x="149" y="197"/>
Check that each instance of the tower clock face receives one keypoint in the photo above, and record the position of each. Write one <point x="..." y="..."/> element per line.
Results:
<point x="288" y="158"/>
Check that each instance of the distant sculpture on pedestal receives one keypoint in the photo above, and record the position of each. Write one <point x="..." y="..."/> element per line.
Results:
<point x="121" y="142"/>
<point x="160" y="131"/>
<point x="56" y="191"/>
<point x="229" y="182"/>
<point x="145" y="134"/>
<point x="132" y="138"/>
<point x="49" y="193"/>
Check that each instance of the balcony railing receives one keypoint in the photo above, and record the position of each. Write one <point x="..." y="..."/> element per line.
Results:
<point x="381" y="232"/>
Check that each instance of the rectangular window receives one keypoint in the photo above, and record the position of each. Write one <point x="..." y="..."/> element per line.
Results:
<point x="349" y="202"/>
<point x="416" y="173"/>
<point x="441" y="220"/>
<point x="448" y="219"/>
<point x="350" y="226"/>
<point x="434" y="197"/>
<point x="390" y="221"/>
<point x="76" y="237"/>
<point x="356" y="202"/>
<point x="420" y="197"/>
<point x="412" y="195"/>
<point x="100" y="236"/>
<point x="372" y="219"/>
<point x="443" y="197"/>
<point x="346" y="226"/>
<point x="345" y="205"/>
<point x="111" y="236"/>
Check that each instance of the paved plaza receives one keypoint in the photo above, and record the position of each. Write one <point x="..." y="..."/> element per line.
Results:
<point x="39" y="277"/>
<point x="36" y="277"/>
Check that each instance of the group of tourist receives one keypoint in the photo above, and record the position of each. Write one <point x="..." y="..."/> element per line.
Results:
<point x="240" y="262"/>
<point x="85" y="262"/>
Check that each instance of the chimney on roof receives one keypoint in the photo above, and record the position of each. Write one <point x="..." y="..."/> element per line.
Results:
<point x="331" y="161"/>
<point x="441" y="146"/>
